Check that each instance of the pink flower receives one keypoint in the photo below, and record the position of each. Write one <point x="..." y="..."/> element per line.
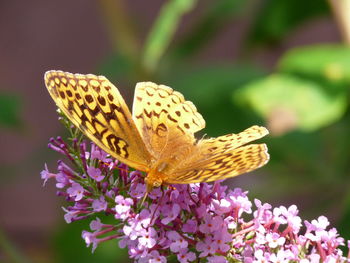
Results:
<point x="240" y="201"/>
<point x="282" y="256"/>
<point x="274" y="240"/>
<point x="263" y="214"/>
<point x="261" y="256"/>
<point x="317" y="225"/>
<point x="230" y="222"/>
<point x="283" y="216"/>
<point x="148" y="237"/>
<point x="123" y="206"/>
<point x="222" y="206"/>
<point x="155" y="257"/>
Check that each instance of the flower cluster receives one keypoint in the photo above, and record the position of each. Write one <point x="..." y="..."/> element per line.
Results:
<point x="196" y="222"/>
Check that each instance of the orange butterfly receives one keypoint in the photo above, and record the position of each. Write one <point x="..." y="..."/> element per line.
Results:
<point x="158" y="138"/>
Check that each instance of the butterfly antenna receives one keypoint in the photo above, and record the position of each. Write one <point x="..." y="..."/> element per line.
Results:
<point x="148" y="190"/>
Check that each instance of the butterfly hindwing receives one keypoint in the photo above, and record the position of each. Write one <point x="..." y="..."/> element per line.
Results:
<point x="95" y="105"/>
<point x="222" y="157"/>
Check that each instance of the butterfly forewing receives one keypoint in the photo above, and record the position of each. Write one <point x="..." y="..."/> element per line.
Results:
<point x="95" y="105"/>
<point x="165" y="119"/>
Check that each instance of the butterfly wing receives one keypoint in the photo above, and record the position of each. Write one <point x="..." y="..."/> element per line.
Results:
<point x="164" y="118"/>
<point x="222" y="157"/>
<point x="95" y="106"/>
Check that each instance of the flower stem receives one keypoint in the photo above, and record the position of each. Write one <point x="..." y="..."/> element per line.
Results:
<point x="12" y="253"/>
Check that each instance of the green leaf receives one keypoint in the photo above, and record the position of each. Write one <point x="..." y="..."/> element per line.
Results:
<point x="276" y="18"/>
<point x="312" y="104"/>
<point x="328" y="62"/>
<point x="10" y="108"/>
<point x="163" y="31"/>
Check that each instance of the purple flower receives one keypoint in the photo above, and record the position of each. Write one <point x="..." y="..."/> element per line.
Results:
<point x="95" y="173"/>
<point x="99" y="205"/>
<point x="210" y="224"/>
<point x="190" y="226"/>
<point x="90" y="239"/>
<point x="184" y="256"/>
<point x="178" y="243"/>
<point x="221" y="238"/>
<point x="217" y="259"/>
<point x="205" y="221"/>
<point x="62" y="180"/>
<point x="96" y="224"/>
<point x="76" y="191"/>
<point x="137" y="190"/>
<point x="206" y="247"/>
<point x="170" y="212"/>
<point x="46" y="175"/>
<point x="97" y="153"/>
<point x="70" y="215"/>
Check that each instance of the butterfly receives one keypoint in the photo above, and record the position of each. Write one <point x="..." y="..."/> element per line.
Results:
<point x="158" y="137"/>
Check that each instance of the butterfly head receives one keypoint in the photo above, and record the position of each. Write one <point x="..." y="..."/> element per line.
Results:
<point x="153" y="179"/>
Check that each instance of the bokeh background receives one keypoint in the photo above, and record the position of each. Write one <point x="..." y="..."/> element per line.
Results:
<point x="279" y="63"/>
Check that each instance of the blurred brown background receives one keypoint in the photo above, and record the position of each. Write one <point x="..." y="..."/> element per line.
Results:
<point x="76" y="36"/>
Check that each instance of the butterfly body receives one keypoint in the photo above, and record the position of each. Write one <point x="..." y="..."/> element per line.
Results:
<point x="158" y="137"/>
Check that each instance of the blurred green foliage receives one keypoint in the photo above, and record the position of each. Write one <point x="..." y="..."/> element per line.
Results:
<point x="70" y="247"/>
<point x="10" y="109"/>
<point x="275" y="19"/>
<point x="312" y="105"/>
